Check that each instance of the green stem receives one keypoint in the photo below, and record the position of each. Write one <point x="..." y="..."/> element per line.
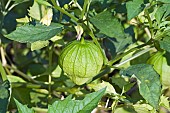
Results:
<point x="50" y="66"/>
<point x="129" y="51"/>
<point x="22" y="74"/>
<point x="97" y="43"/>
<point x="63" y="11"/>
<point x="84" y="8"/>
<point x="133" y="57"/>
<point x="3" y="73"/>
<point x="28" y="85"/>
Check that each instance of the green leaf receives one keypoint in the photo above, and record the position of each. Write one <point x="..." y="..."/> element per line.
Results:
<point x="160" y="62"/>
<point x="108" y="25"/>
<point x="37" y="11"/>
<point x="19" y="1"/>
<point x="148" y="81"/>
<point x="43" y="2"/>
<point x="143" y="108"/>
<point x="29" y="33"/>
<point x="117" y="45"/>
<point x="165" y="43"/>
<point x="134" y="8"/>
<point x="77" y="106"/>
<point x="162" y="12"/>
<point x="23" y="108"/>
<point x="4" y="96"/>
<point x="109" y="88"/>
<point x="164" y="1"/>
<point x="164" y="102"/>
<point x="39" y="44"/>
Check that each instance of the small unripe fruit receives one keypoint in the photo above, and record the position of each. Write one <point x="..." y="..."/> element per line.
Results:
<point x="81" y="61"/>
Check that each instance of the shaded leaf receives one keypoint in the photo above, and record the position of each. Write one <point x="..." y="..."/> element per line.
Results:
<point x="162" y="12"/>
<point x="134" y="8"/>
<point x="145" y="75"/>
<point x="108" y="25"/>
<point x="164" y="1"/>
<point x="4" y="96"/>
<point x="77" y="106"/>
<point x="165" y="43"/>
<point x="30" y="33"/>
<point x="23" y="108"/>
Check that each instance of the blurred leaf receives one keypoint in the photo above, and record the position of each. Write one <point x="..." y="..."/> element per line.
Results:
<point x="143" y="108"/>
<point x="19" y="1"/>
<point x="117" y="45"/>
<point x="122" y="82"/>
<point x="164" y="1"/>
<point x="23" y="20"/>
<point x="47" y="18"/>
<point x="134" y="8"/>
<point x="37" y="11"/>
<point x="109" y="88"/>
<point x="165" y="43"/>
<point x="57" y="72"/>
<point x="23" y="108"/>
<point x="160" y="62"/>
<point x="125" y="109"/>
<point x="162" y="12"/>
<point x="108" y="25"/>
<point x="4" y="96"/>
<point x="77" y="106"/>
<point x="13" y="78"/>
<point x="145" y="75"/>
<point x="30" y="33"/>
<point x="43" y="2"/>
<point x="165" y="102"/>
<point x="38" y="45"/>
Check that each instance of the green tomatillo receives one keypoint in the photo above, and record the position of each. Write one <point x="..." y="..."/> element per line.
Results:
<point x="81" y="61"/>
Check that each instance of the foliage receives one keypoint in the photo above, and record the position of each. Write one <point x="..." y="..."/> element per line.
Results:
<point x="132" y="39"/>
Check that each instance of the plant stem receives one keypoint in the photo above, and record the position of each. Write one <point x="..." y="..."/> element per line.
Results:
<point x="133" y="57"/>
<point x="63" y="11"/>
<point x="28" y="85"/>
<point x="97" y="43"/>
<point x="129" y="51"/>
<point x="50" y="66"/>
<point x="84" y="8"/>
<point x="3" y="73"/>
<point x="22" y="74"/>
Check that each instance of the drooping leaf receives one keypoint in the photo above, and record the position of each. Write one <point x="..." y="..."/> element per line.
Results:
<point x="148" y="81"/>
<point x="23" y="108"/>
<point x="77" y="106"/>
<point x="108" y="25"/>
<point x="29" y="33"/>
<point x="4" y="96"/>
<point x="134" y="8"/>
